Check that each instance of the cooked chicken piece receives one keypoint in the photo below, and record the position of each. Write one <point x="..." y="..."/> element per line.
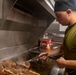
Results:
<point x="34" y="73"/>
<point x="24" y="63"/>
<point x="22" y="74"/>
<point x="15" y="70"/>
<point x="1" y="68"/>
<point x="4" y="73"/>
<point x="27" y="64"/>
<point x="8" y="63"/>
<point x="15" y="67"/>
<point x="30" y="72"/>
<point x="11" y="70"/>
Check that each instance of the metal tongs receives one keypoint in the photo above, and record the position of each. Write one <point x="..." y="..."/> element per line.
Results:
<point x="36" y="58"/>
<point x="23" y="64"/>
<point x="46" y="54"/>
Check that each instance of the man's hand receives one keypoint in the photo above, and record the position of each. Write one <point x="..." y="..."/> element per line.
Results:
<point x="43" y="55"/>
<point x="61" y="62"/>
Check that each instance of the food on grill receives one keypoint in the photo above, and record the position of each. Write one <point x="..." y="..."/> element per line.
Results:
<point x="4" y="73"/>
<point x="24" y="72"/>
<point x="11" y="68"/>
<point x="1" y="68"/>
<point x="27" y="64"/>
<point x="30" y="72"/>
<point x="24" y="63"/>
<point x="15" y="67"/>
<point x="8" y="63"/>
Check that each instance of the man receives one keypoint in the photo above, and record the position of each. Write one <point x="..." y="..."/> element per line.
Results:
<point x="65" y="11"/>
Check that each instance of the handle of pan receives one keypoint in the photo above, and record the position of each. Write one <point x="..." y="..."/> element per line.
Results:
<point x="56" y="57"/>
<point x="53" y="57"/>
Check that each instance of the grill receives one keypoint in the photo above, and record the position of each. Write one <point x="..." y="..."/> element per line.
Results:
<point x="19" y="66"/>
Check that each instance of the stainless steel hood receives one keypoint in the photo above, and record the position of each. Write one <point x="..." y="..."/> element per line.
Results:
<point x="37" y="8"/>
<point x="22" y="25"/>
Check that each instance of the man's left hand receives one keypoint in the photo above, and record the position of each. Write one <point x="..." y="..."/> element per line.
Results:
<point x="61" y="62"/>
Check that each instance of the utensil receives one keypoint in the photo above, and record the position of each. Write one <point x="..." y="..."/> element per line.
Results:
<point x="46" y="54"/>
<point x="56" y="56"/>
<point x="26" y="64"/>
<point x="36" y="58"/>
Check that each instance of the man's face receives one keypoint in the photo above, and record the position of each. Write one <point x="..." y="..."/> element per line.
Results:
<point x="62" y="17"/>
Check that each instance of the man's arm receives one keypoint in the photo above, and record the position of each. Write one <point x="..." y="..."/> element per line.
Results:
<point x="71" y="64"/>
<point x="62" y="63"/>
<point x="55" y="51"/>
<point x="51" y="53"/>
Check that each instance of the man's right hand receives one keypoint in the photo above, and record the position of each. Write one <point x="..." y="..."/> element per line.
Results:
<point x="43" y="55"/>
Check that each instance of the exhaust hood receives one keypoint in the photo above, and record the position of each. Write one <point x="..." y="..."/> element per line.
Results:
<point x="42" y="17"/>
<point x="37" y="8"/>
<point x="23" y="24"/>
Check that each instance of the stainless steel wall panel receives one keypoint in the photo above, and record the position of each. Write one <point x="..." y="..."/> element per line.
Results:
<point x="20" y="17"/>
<point x="0" y="9"/>
<point x="11" y="52"/>
<point x="7" y="5"/>
<point x="13" y="38"/>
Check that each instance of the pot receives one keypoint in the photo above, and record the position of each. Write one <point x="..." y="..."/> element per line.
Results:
<point x="57" y="71"/>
